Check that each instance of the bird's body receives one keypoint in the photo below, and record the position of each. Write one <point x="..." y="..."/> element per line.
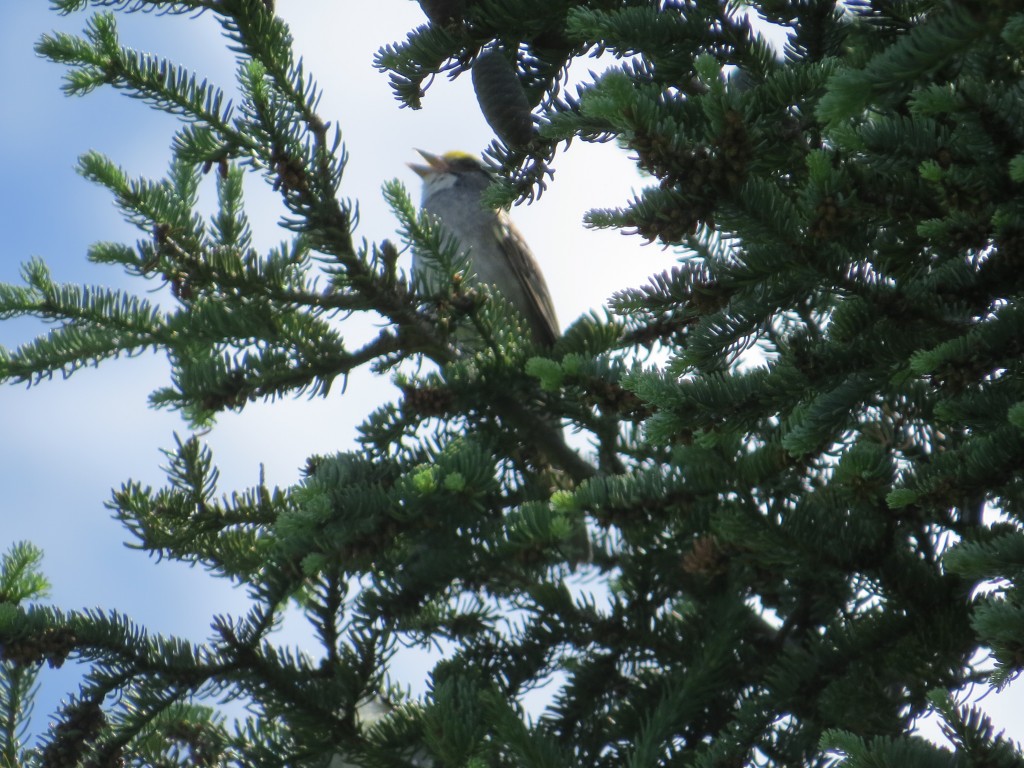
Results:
<point x="494" y="248"/>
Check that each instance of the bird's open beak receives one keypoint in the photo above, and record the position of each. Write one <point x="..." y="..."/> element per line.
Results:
<point x="435" y="164"/>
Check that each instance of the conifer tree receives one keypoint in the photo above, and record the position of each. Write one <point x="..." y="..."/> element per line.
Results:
<point x="789" y="517"/>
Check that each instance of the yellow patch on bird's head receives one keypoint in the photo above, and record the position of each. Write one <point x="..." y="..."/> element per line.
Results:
<point x="459" y="155"/>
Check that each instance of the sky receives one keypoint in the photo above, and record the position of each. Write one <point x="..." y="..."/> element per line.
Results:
<point x="67" y="443"/>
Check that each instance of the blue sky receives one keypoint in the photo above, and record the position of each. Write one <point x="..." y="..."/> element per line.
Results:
<point x="68" y="443"/>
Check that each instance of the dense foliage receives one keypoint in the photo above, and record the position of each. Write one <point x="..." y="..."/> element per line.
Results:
<point x="780" y="529"/>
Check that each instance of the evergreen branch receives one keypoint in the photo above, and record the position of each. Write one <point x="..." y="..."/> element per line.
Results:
<point x="18" y="689"/>
<point x="185" y="731"/>
<point x="409" y="64"/>
<point x="98" y="59"/>
<point x="186" y="522"/>
<point x="66" y="7"/>
<point x="151" y="675"/>
<point x="20" y="576"/>
<point x="98" y="324"/>
<point x="20" y="580"/>
<point x="933" y="43"/>
<point x="164" y="209"/>
<point x="156" y="676"/>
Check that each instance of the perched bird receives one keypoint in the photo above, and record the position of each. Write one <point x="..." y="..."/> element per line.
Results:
<point x="496" y="251"/>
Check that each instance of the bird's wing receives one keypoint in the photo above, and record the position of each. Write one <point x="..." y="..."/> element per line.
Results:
<point x="530" y="278"/>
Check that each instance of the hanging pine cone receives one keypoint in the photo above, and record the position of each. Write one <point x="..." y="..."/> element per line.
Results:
<point x="502" y="99"/>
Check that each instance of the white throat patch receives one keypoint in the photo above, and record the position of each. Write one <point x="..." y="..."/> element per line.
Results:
<point x="438" y="181"/>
